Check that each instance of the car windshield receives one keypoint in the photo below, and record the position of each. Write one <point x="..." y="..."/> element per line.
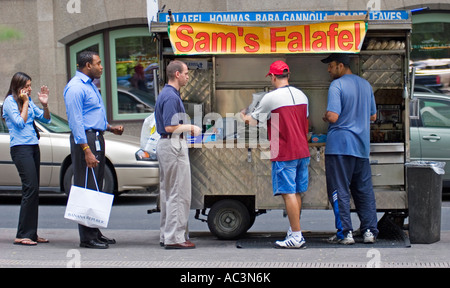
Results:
<point x="146" y="97"/>
<point x="57" y="125"/>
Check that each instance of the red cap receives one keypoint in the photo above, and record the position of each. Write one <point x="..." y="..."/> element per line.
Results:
<point x="278" y="68"/>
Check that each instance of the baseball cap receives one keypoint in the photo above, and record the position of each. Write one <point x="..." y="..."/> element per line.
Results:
<point x="338" y="57"/>
<point x="278" y="68"/>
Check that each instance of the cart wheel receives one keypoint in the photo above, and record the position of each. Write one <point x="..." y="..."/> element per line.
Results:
<point x="228" y="219"/>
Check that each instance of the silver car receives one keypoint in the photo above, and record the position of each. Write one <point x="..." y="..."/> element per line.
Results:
<point x="430" y="130"/>
<point x="127" y="166"/>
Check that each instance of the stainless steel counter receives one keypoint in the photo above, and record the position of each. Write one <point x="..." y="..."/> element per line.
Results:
<point x="223" y="169"/>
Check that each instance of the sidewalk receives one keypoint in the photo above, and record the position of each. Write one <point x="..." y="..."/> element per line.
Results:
<point x="141" y="249"/>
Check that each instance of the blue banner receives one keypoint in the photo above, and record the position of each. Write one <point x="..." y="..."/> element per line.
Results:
<point x="265" y="16"/>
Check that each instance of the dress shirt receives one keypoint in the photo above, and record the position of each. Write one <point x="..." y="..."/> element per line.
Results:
<point x="84" y="107"/>
<point x="21" y="132"/>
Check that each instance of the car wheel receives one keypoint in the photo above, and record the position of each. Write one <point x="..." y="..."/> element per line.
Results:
<point x="228" y="219"/>
<point x="108" y="181"/>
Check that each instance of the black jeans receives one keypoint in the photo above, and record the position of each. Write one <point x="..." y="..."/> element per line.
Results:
<point x="27" y="159"/>
<point x="79" y="175"/>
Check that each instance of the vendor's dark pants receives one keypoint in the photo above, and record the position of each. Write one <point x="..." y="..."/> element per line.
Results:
<point x="27" y="159"/>
<point x="79" y="175"/>
<point x="351" y="177"/>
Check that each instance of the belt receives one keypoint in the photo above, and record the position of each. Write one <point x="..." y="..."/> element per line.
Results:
<point x="165" y="136"/>
<point x="95" y="131"/>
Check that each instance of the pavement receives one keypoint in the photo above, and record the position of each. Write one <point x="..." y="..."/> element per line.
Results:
<point x="141" y="249"/>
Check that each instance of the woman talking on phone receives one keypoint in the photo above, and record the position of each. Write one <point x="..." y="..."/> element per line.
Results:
<point x="19" y="112"/>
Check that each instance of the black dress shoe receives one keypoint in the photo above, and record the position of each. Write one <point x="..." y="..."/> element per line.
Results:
<point x="94" y="244"/>
<point x="106" y="240"/>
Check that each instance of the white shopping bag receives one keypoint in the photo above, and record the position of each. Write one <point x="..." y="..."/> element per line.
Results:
<point x="88" y="207"/>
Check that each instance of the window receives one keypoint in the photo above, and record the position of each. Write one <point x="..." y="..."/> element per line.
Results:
<point x="94" y="43"/>
<point x="58" y="125"/>
<point x="435" y="113"/>
<point x="133" y="60"/>
<point x="430" y="37"/>
<point x="127" y="82"/>
<point x="3" y="127"/>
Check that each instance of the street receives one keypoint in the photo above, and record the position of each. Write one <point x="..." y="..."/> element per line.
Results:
<point x="137" y="235"/>
<point x="130" y="212"/>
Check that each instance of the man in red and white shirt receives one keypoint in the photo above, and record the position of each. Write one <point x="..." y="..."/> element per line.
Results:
<point x="286" y="111"/>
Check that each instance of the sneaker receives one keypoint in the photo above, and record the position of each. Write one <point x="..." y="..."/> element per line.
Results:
<point x="291" y="242"/>
<point x="348" y="240"/>
<point x="369" y="237"/>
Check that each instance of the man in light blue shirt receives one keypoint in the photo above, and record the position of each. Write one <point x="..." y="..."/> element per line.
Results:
<point x="87" y="120"/>
<point x="84" y="106"/>
<point x="351" y="107"/>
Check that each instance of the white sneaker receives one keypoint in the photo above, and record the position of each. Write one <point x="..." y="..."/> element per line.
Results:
<point x="346" y="241"/>
<point x="369" y="237"/>
<point x="291" y="242"/>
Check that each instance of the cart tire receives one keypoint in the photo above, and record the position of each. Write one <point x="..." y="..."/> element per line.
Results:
<point x="228" y="219"/>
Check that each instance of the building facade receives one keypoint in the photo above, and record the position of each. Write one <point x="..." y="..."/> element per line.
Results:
<point x="49" y="34"/>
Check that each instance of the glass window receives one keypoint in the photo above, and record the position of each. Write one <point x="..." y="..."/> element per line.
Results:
<point x="3" y="127"/>
<point x="58" y="125"/>
<point x="430" y="38"/>
<point x="133" y="60"/>
<point x="435" y="113"/>
<point x="129" y="91"/>
<point x="94" y="43"/>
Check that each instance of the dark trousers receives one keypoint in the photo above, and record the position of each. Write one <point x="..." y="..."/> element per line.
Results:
<point x="27" y="159"/>
<point x="79" y="175"/>
<point x="350" y="177"/>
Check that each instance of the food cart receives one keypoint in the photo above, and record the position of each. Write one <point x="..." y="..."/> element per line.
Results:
<point x="229" y="55"/>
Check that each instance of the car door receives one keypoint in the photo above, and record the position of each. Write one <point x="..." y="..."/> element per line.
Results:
<point x="46" y="164"/>
<point x="433" y="132"/>
<point x="9" y="175"/>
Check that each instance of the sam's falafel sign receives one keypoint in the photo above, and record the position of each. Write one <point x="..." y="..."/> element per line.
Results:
<point x="206" y="38"/>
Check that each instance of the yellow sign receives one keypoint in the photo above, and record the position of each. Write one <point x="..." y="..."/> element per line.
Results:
<point x="205" y="38"/>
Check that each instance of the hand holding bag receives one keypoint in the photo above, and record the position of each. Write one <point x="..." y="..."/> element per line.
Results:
<point x="89" y="207"/>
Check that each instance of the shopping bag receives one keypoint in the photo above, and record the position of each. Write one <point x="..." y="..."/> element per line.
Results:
<point x="88" y="207"/>
<point x="149" y="136"/>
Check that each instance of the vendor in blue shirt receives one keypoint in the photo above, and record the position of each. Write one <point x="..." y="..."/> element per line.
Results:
<point x="19" y="112"/>
<point x="350" y="108"/>
<point x="87" y="120"/>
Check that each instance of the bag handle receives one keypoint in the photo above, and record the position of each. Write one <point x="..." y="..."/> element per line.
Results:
<point x="95" y="180"/>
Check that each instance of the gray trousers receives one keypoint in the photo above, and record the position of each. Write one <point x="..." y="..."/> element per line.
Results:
<point x="174" y="189"/>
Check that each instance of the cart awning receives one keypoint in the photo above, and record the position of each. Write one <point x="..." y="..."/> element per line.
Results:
<point x="211" y="38"/>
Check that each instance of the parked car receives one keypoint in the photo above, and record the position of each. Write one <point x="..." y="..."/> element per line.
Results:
<point x="127" y="166"/>
<point x="430" y="130"/>
<point x="426" y="89"/>
<point x="431" y="81"/>
<point x="434" y="67"/>
<point x="133" y="100"/>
